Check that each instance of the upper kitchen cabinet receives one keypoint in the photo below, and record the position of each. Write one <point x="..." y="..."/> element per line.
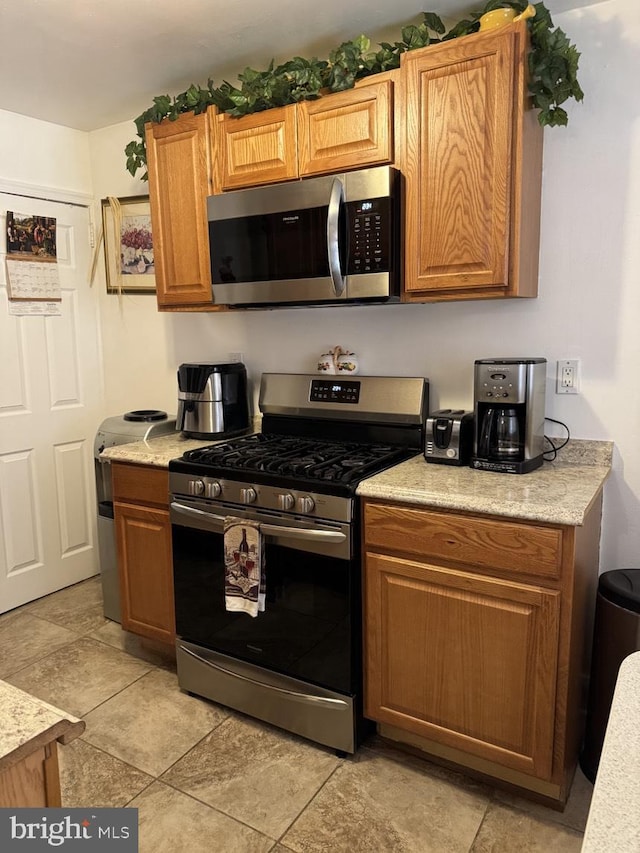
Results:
<point x="473" y="169"/>
<point x="179" y="183"/>
<point x="339" y="131"/>
<point x="347" y="130"/>
<point x="260" y="148"/>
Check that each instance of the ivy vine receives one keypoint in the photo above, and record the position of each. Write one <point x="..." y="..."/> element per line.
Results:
<point x="553" y="69"/>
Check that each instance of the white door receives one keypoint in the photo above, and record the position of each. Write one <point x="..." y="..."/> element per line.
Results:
<point x="51" y="393"/>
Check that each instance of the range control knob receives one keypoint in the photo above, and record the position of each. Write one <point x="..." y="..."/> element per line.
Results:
<point x="248" y="495"/>
<point x="306" y="504"/>
<point x="214" y="489"/>
<point x="286" y="501"/>
<point x="196" y="487"/>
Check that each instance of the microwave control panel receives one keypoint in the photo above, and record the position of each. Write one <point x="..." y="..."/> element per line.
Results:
<point x="369" y="235"/>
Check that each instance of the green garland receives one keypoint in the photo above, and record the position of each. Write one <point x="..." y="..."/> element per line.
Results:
<point x="553" y="68"/>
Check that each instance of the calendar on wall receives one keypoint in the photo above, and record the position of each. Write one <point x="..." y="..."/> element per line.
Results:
<point x="31" y="262"/>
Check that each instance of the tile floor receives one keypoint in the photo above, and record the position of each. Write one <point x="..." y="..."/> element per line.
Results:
<point x="208" y="779"/>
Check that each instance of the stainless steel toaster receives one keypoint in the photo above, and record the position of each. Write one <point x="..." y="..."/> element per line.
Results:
<point x="448" y="437"/>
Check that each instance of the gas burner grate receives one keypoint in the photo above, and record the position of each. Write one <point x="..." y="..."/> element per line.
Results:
<point x="293" y="456"/>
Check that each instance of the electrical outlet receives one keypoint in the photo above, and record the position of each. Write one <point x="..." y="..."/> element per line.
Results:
<point x="236" y="356"/>
<point x="568" y="376"/>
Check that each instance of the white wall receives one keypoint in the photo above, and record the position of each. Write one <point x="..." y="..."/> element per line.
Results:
<point x="587" y="308"/>
<point x="43" y="154"/>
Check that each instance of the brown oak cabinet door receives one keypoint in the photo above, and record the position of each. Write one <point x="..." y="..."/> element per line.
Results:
<point x="260" y="148"/>
<point x="346" y="130"/>
<point x="460" y="102"/>
<point x="143" y="537"/>
<point x="179" y="174"/>
<point x="465" y="660"/>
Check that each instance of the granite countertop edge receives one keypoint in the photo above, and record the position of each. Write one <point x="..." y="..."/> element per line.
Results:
<point x="613" y="822"/>
<point x="559" y="492"/>
<point x="28" y="724"/>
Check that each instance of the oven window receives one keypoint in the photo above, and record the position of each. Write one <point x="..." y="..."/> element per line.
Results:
<point x="309" y="627"/>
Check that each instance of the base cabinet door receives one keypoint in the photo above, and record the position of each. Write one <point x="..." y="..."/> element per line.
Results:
<point x="144" y="556"/>
<point x="34" y="782"/>
<point x="465" y="660"/>
<point x="179" y="183"/>
<point x="143" y="542"/>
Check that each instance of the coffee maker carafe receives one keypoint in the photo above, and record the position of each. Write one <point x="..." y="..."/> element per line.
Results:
<point x="509" y="400"/>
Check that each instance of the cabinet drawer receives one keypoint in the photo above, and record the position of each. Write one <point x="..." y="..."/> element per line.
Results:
<point x="140" y="484"/>
<point x="506" y="545"/>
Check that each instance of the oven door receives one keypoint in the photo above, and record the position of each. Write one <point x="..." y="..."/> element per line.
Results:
<point x="311" y="626"/>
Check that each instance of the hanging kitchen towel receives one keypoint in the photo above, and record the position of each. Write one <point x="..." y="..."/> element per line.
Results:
<point x="244" y="570"/>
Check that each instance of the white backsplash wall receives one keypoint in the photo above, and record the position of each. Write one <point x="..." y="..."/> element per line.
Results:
<point x="588" y="304"/>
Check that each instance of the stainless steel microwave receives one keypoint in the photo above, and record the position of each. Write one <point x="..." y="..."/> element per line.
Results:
<point x="328" y="240"/>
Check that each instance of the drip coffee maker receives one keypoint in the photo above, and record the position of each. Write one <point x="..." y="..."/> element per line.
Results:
<point x="509" y="399"/>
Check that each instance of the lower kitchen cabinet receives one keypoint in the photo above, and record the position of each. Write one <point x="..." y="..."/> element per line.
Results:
<point x="477" y="639"/>
<point x="143" y="539"/>
<point x="33" y="782"/>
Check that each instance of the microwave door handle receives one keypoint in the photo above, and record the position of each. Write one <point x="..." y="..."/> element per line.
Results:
<point x="336" y="198"/>
<point x="216" y="523"/>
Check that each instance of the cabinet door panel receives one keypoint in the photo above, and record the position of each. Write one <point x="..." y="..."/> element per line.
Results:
<point x="256" y="149"/>
<point x="346" y="130"/>
<point x="460" y="105"/>
<point x="146" y="573"/>
<point x="178" y="160"/>
<point x="464" y="660"/>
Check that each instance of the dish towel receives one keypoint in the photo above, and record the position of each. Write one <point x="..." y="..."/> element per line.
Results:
<point x="244" y="569"/>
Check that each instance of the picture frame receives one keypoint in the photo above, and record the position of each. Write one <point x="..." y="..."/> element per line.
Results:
<point x="129" y="260"/>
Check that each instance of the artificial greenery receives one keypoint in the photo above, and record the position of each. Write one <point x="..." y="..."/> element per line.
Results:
<point x="553" y="68"/>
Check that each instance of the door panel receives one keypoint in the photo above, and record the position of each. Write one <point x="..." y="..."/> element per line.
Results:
<point x="464" y="660"/>
<point x="51" y="394"/>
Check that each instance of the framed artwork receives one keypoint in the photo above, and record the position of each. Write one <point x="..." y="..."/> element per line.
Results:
<point x="128" y="245"/>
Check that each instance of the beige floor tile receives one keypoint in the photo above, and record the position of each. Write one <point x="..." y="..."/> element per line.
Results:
<point x="77" y="607"/>
<point x="255" y="773"/>
<point x="509" y="830"/>
<point x="374" y="803"/>
<point x="113" y="635"/>
<point x="80" y="676"/>
<point x="91" y="778"/>
<point x="172" y="822"/>
<point x="152" y="723"/>
<point x="575" y="813"/>
<point x="24" y="639"/>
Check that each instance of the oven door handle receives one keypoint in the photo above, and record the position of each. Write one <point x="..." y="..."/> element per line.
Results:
<point x="338" y="704"/>
<point x="216" y="522"/>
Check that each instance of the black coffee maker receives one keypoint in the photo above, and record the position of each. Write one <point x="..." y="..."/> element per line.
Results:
<point x="509" y="401"/>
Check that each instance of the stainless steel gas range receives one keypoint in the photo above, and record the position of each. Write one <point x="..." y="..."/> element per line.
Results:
<point x="298" y="664"/>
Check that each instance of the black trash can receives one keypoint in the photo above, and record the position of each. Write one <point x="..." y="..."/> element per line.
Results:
<point x="616" y="635"/>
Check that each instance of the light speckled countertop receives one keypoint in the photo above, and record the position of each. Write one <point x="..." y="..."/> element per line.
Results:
<point x="614" y="815"/>
<point x="29" y="724"/>
<point x="157" y="451"/>
<point x="559" y="492"/>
